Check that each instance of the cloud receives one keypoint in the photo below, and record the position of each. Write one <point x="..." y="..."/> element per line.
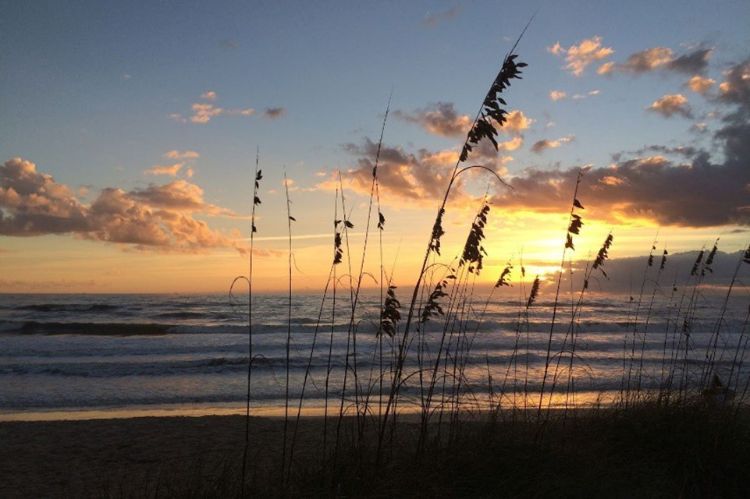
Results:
<point x="698" y="192"/>
<point x="181" y="155"/>
<point x="606" y="68"/>
<point x="647" y="60"/>
<point x="431" y="20"/>
<point x="692" y="62"/>
<point x="700" y="84"/>
<point x="665" y="185"/>
<point x="578" y="57"/>
<point x="171" y="170"/>
<point x="670" y="105"/>
<point x="556" y="49"/>
<point x="419" y="177"/>
<point x="541" y="145"/>
<point x="440" y="118"/>
<point x="510" y="145"/>
<point x="516" y="122"/>
<point x="590" y="93"/>
<point x="182" y="158"/>
<point x="177" y="195"/>
<point x="735" y="89"/>
<point x="159" y="217"/>
<point x="660" y="58"/>
<point x="682" y="151"/>
<point x="274" y="112"/>
<point x="204" y="112"/>
<point x="557" y="95"/>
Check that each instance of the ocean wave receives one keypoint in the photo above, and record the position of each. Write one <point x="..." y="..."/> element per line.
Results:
<point x="84" y="328"/>
<point x="68" y="307"/>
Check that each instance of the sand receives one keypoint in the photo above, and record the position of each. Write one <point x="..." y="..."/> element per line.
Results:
<point x="101" y="457"/>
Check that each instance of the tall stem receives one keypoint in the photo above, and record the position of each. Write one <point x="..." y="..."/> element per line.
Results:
<point x="250" y="318"/>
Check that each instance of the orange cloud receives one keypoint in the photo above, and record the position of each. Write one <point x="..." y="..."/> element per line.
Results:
<point x="541" y="145"/>
<point x="171" y="170"/>
<point x="159" y="217"/>
<point x="670" y="105"/>
<point x="516" y="122"/>
<point x="557" y="95"/>
<point x="204" y="112"/>
<point x="700" y="84"/>
<point x="578" y="57"/>
<point x="180" y="155"/>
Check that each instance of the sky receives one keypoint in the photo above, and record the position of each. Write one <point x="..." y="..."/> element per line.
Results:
<point x="130" y="132"/>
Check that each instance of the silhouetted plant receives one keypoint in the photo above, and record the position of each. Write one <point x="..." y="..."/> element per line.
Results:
<point x="258" y="175"/>
<point x="288" y="344"/>
<point x="534" y="292"/>
<point x="433" y="307"/>
<point x="481" y="127"/>
<point x="574" y="227"/>
<point x="473" y="249"/>
<point x="390" y="315"/>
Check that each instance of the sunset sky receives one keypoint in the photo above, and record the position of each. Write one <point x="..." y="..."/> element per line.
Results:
<point x="130" y="129"/>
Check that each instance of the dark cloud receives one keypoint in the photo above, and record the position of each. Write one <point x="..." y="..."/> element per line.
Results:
<point x="698" y="192"/>
<point x="691" y="63"/>
<point x="156" y="217"/>
<point x="685" y="151"/>
<point x="677" y="186"/>
<point x="440" y="118"/>
<point x="672" y="186"/>
<point x="661" y="58"/>
<point x="541" y="145"/>
<point x="735" y="89"/>
<point x="419" y="177"/>
<point x="274" y="112"/>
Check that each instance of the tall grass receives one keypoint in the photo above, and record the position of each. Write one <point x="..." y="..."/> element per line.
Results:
<point x="257" y="176"/>
<point x="574" y="226"/>
<point x="288" y="343"/>
<point x="482" y="128"/>
<point x="446" y="313"/>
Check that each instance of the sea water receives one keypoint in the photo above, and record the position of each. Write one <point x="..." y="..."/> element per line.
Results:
<point x="68" y="356"/>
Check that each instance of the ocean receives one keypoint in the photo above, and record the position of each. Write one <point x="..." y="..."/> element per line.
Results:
<point x="81" y="356"/>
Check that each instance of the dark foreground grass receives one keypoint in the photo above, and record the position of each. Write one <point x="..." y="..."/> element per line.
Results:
<point x="647" y="451"/>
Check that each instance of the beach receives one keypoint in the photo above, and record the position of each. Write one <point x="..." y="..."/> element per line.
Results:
<point x="96" y="458"/>
<point x="643" y="452"/>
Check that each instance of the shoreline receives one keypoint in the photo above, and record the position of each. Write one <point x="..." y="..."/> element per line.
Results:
<point x="586" y="400"/>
